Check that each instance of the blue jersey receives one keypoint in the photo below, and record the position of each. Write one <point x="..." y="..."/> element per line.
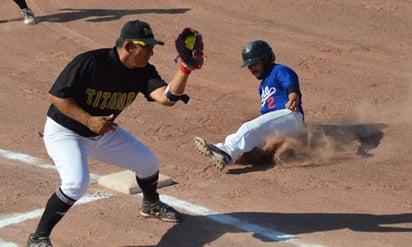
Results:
<point x="273" y="90"/>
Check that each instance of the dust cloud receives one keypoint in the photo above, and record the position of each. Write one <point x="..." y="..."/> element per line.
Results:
<point x="321" y="143"/>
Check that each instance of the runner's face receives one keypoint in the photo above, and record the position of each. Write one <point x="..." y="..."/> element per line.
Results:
<point x="257" y="69"/>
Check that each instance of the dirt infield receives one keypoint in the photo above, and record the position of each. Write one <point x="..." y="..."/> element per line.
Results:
<point x="347" y="183"/>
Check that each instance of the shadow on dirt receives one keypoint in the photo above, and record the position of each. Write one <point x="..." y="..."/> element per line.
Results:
<point x="318" y="145"/>
<point x="99" y="15"/>
<point x="197" y="231"/>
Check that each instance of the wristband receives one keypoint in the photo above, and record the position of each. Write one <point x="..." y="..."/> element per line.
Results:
<point x="184" y="69"/>
<point x="293" y="88"/>
<point x="173" y="98"/>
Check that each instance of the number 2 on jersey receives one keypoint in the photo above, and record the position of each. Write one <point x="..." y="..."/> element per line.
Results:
<point x="271" y="102"/>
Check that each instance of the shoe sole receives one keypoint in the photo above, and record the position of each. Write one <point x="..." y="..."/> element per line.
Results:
<point x="29" y="22"/>
<point x="201" y="146"/>
<point x="158" y="217"/>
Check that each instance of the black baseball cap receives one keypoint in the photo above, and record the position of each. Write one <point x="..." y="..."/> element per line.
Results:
<point x="139" y="30"/>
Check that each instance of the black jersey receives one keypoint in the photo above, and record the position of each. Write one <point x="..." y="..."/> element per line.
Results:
<point x="101" y="85"/>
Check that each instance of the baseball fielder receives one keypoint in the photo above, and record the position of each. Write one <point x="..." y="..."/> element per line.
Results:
<point x="87" y="97"/>
<point x="281" y="107"/>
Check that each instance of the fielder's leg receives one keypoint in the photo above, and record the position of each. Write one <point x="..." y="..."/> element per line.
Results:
<point x="122" y="149"/>
<point x="56" y="208"/>
<point x="69" y="153"/>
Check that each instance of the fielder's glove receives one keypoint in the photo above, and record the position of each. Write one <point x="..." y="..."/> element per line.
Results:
<point x="189" y="46"/>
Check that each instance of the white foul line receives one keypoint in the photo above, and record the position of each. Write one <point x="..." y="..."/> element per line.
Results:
<point x="15" y="218"/>
<point x="235" y="222"/>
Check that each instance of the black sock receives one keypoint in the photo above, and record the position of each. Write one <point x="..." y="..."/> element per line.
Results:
<point x="22" y="4"/>
<point x="149" y="187"/>
<point x="56" y="208"/>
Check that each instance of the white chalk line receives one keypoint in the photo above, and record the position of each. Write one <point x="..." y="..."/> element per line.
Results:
<point x="237" y="223"/>
<point x="16" y="218"/>
<point x="93" y="195"/>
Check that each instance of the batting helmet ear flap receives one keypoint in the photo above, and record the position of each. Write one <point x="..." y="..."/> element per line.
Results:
<point x="271" y="57"/>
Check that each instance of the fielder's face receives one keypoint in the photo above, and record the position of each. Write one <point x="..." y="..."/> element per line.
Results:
<point x="258" y="69"/>
<point x="140" y="55"/>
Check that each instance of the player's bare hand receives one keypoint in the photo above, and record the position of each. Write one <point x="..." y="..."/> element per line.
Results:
<point x="293" y="102"/>
<point x="292" y="105"/>
<point x="101" y="124"/>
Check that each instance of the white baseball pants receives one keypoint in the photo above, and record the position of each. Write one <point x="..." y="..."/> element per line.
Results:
<point x="254" y="133"/>
<point x="70" y="153"/>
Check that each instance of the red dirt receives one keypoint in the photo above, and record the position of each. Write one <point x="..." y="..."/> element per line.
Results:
<point x="353" y="59"/>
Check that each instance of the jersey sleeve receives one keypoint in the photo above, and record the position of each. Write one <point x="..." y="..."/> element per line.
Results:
<point x="154" y="82"/>
<point x="288" y="80"/>
<point x="71" y="77"/>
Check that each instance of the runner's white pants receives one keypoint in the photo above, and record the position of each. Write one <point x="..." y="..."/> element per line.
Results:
<point x="70" y="153"/>
<point x="254" y="133"/>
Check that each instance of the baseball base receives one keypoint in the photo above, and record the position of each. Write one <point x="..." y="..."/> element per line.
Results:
<point x="125" y="182"/>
